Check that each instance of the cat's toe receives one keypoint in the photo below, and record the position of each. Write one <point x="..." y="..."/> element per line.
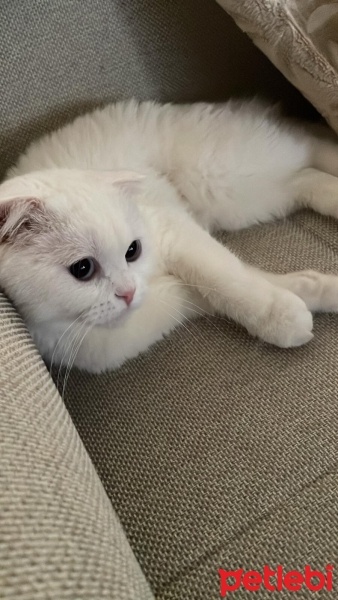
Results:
<point x="288" y="322"/>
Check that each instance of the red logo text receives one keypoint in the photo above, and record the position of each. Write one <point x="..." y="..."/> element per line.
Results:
<point x="276" y="580"/>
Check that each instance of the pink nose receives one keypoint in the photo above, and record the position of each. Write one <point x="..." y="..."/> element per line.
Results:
<point x="127" y="296"/>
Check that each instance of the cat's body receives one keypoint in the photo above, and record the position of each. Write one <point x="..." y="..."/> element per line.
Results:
<point x="229" y="162"/>
<point x="203" y="168"/>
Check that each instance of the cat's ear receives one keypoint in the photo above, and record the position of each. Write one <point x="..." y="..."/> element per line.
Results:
<point x="128" y="181"/>
<point x="20" y="214"/>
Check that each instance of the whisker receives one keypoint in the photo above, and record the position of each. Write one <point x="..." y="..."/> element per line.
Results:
<point x="68" y="347"/>
<point x="175" y="319"/>
<point x="61" y="337"/>
<point x="211" y="321"/>
<point x="195" y="285"/>
<point x="208" y="288"/>
<point x="78" y="335"/>
<point x="177" y="329"/>
<point x="204" y="313"/>
<point x="181" y="333"/>
<point x="72" y="360"/>
<point x="205" y="340"/>
<point x="71" y="348"/>
<point x="182" y="315"/>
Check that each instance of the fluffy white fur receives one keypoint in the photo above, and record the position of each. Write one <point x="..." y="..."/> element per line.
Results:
<point x="168" y="176"/>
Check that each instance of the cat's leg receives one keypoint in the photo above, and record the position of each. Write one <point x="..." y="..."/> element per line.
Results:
<point x="317" y="190"/>
<point x="166" y="305"/>
<point x="274" y="314"/>
<point x="318" y="290"/>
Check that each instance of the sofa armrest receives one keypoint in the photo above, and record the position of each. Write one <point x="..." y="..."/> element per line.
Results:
<point x="59" y="535"/>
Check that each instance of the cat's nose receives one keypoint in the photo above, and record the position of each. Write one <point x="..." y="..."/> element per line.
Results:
<point x="126" y="295"/>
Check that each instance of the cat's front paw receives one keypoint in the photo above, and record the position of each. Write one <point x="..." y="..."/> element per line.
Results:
<point x="286" y="321"/>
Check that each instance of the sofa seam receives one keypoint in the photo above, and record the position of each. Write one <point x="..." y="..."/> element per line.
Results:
<point x="266" y="515"/>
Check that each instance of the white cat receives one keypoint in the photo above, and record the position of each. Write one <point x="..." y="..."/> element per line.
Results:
<point x="105" y="226"/>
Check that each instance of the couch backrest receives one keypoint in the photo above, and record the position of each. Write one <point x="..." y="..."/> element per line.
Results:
<point x="58" y="59"/>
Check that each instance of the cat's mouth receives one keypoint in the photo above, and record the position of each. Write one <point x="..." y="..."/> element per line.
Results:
<point x="115" y="320"/>
<point x="109" y="314"/>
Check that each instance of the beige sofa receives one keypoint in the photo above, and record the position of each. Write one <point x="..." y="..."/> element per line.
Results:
<point x="212" y="450"/>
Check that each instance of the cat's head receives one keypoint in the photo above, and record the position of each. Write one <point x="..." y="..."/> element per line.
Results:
<point x="73" y="245"/>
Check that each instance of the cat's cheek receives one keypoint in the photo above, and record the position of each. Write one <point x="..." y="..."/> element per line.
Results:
<point x="140" y="293"/>
<point x="137" y="302"/>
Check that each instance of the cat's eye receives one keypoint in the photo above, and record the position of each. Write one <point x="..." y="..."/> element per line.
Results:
<point x="133" y="251"/>
<point x="83" y="269"/>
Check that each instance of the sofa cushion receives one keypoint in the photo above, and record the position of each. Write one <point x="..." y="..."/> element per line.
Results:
<point x="300" y="38"/>
<point x="218" y="450"/>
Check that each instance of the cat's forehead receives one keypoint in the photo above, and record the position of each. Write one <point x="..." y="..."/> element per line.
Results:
<point x="84" y="214"/>
<point x="69" y="188"/>
<point x="103" y="226"/>
<point x="68" y="240"/>
<point x="107" y="218"/>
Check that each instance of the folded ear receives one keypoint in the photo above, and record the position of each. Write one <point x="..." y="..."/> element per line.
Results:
<point x="128" y="181"/>
<point x="18" y="215"/>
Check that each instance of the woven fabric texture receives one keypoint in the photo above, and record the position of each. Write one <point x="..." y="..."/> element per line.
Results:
<point x="301" y="38"/>
<point x="224" y="450"/>
<point x="59" y="537"/>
